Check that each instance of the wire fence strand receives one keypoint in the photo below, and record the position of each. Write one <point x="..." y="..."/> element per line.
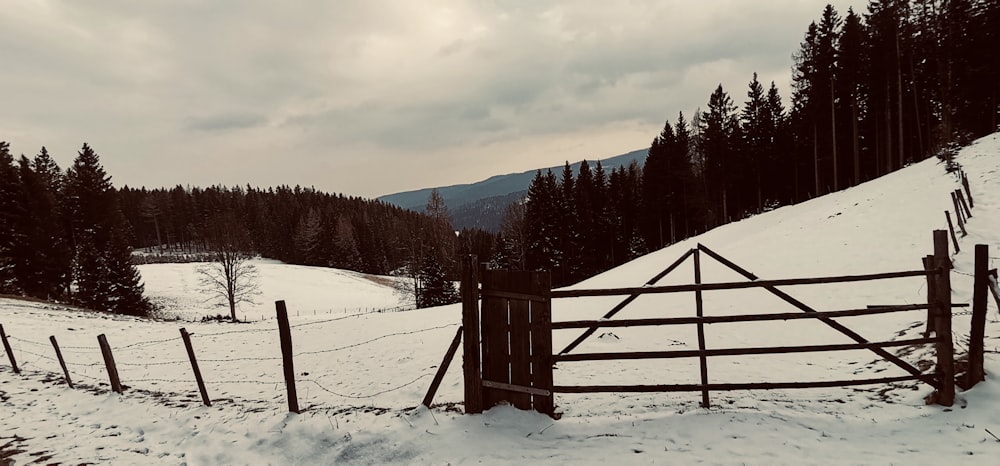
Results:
<point x="372" y="395"/>
<point x="355" y="345"/>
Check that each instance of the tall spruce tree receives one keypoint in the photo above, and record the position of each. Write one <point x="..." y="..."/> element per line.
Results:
<point x="717" y="141"/>
<point x="104" y="279"/>
<point x="9" y="214"/>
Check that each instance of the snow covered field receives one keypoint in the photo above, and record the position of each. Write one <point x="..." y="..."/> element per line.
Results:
<point x="311" y="290"/>
<point x="361" y="374"/>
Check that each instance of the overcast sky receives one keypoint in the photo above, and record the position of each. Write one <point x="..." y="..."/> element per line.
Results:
<point x="371" y="97"/>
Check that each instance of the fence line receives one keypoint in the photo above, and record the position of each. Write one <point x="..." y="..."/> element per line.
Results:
<point x="373" y="395"/>
<point x="355" y="345"/>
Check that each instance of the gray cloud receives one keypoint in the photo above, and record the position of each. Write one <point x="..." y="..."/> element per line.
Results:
<point x="334" y="94"/>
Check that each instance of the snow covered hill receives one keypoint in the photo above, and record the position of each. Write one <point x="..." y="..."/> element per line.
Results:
<point x="360" y="375"/>
<point x="311" y="290"/>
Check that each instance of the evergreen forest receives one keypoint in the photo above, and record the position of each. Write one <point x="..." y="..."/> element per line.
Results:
<point x="872" y="92"/>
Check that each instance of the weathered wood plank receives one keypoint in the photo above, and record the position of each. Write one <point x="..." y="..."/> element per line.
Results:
<point x="541" y="343"/>
<point x="976" y="372"/>
<point x="520" y="340"/>
<point x="516" y="388"/>
<point x="737" y="318"/>
<point x="700" y="312"/>
<point x="496" y="331"/>
<point x="731" y="386"/>
<point x="632" y="355"/>
<point x="734" y="285"/>
<point x="471" y="362"/>
<point x="945" y="349"/>
<point x="443" y="368"/>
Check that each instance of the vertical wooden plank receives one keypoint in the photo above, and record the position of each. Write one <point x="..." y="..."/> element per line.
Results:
<point x="945" y="348"/>
<point x="194" y="366"/>
<point x="976" y="371"/>
<point x="931" y="297"/>
<point x="699" y="309"/>
<point x="285" y="335"/>
<point x="958" y="215"/>
<point x="471" y="366"/>
<point x="443" y="368"/>
<point x="965" y="206"/>
<point x="10" y="352"/>
<point x="109" y="363"/>
<point x="951" y="228"/>
<point x="541" y="342"/>
<point x="520" y="339"/>
<point x="496" y="338"/>
<point x="968" y="192"/>
<point x="62" y="362"/>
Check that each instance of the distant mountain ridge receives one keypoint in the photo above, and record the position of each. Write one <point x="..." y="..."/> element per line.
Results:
<point x="481" y="204"/>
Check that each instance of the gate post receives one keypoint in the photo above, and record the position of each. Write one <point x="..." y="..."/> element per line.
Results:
<point x="976" y="371"/>
<point x="471" y="363"/>
<point x="945" y="351"/>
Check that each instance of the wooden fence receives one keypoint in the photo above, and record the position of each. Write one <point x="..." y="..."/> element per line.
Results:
<point x="508" y="342"/>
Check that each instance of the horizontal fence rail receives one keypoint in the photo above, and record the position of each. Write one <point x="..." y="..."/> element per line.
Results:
<point x="738" y="285"/>
<point x="569" y="324"/>
<point x="737" y="351"/>
<point x="729" y="386"/>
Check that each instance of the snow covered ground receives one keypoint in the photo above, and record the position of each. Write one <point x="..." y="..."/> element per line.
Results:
<point x="310" y="290"/>
<point x="361" y="374"/>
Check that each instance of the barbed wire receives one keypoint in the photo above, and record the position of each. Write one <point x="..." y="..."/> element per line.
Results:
<point x="145" y="364"/>
<point x="12" y="337"/>
<point x="354" y="345"/>
<point x="148" y="343"/>
<point x="362" y="397"/>
<point x="273" y="358"/>
<point x="255" y="382"/>
<point x="230" y="332"/>
<point x="335" y="319"/>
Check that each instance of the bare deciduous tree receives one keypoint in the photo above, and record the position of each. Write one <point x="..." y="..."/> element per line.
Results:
<point x="230" y="277"/>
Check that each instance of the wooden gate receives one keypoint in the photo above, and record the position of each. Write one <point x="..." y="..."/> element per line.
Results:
<point x="515" y="342"/>
<point x="509" y="343"/>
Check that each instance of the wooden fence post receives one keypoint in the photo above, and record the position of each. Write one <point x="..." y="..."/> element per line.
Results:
<point x="541" y="343"/>
<point x="285" y="333"/>
<point x="701" y="329"/>
<point x="965" y="206"/>
<point x="10" y="352"/>
<point x="471" y="360"/>
<point x="951" y="228"/>
<point x="443" y="368"/>
<point x="109" y="363"/>
<point x="945" y="349"/>
<point x="976" y="371"/>
<point x="931" y="299"/>
<point x="958" y="214"/>
<point x="62" y="362"/>
<point x="194" y="366"/>
<point x="968" y="193"/>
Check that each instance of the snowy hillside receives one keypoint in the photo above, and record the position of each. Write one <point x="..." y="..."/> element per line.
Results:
<point x="359" y="376"/>
<point x="311" y="290"/>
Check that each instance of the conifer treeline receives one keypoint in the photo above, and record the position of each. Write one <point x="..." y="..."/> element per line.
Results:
<point x="871" y="93"/>
<point x="68" y="236"/>
<point x="292" y="224"/>
<point x="63" y="236"/>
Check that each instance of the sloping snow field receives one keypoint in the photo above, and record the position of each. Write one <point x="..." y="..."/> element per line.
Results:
<point x="360" y="375"/>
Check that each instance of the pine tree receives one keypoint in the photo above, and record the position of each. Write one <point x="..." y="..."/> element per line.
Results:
<point x="756" y="137"/>
<point x="436" y="289"/>
<point x="718" y="134"/>
<point x="9" y="214"/>
<point x="105" y="280"/>
<point x="41" y="261"/>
